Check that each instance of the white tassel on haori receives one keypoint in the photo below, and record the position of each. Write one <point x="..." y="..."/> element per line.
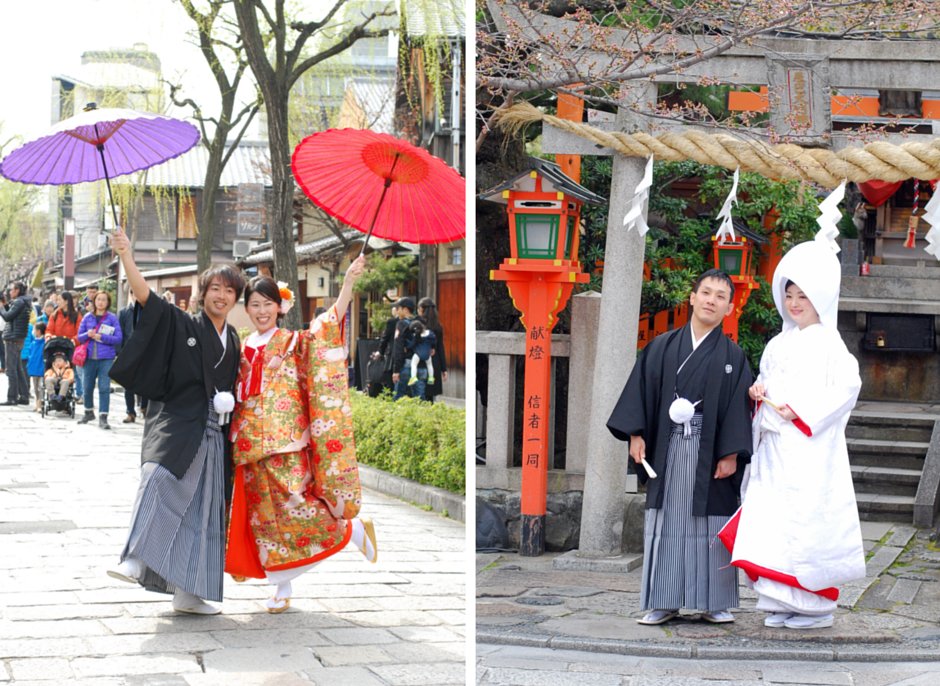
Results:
<point x="829" y="217"/>
<point x="932" y="217"/>
<point x="681" y="412"/>
<point x="726" y="230"/>
<point x="223" y="403"/>
<point x="637" y="214"/>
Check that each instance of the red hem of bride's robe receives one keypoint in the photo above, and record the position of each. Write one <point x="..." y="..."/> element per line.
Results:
<point x="730" y="532"/>
<point x="241" y="557"/>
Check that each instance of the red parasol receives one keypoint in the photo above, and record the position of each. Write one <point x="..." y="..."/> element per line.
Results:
<point x="379" y="184"/>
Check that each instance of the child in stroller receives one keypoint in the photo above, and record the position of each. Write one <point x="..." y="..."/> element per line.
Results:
<point x="59" y="376"/>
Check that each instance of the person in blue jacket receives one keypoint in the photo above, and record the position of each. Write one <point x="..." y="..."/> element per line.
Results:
<point x="34" y="366"/>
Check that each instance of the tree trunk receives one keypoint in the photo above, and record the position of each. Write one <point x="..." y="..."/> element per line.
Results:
<point x="281" y="227"/>
<point x="209" y="191"/>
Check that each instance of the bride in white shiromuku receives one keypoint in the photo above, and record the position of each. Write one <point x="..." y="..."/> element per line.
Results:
<point x="798" y="535"/>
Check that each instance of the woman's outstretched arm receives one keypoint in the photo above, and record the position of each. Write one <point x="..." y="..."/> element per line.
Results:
<point x="122" y="246"/>
<point x="352" y="274"/>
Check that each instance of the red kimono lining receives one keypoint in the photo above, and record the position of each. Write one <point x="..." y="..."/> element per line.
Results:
<point x="729" y="533"/>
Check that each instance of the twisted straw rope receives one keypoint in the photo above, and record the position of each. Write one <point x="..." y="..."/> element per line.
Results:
<point x="875" y="161"/>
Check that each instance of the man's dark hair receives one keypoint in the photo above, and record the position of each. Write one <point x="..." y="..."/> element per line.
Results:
<point x="714" y="274"/>
<point x="90" y="286"/>
<point x="226" y="274"/>
<point x="18" y="285"/>
<point x="40" y="327"/>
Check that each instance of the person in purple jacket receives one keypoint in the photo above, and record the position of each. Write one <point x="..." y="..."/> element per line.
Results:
<point x="102" y="331"/>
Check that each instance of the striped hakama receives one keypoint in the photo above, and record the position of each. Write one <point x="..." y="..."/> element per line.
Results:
<point x="177" y="524"/>
<point x="682" y="568"/>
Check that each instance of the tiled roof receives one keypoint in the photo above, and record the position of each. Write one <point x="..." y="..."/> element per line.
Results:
<point x="311" y="249"/>
<point x="440" y="18"/>
<point x="250" y="163"/>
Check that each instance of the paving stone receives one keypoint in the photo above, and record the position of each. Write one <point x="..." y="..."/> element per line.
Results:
<point x="176" y="623"/>
<point x="52" y="647"/>
<point x="340" y="676"/>
<point x="156" y="680"/>
<point x="696" y="630"/>
<point x="419" y="674"/>
<point x="901" y="537"/>
<point x="286" y="658"/>
<point x="123" y="665"/>
<point x="502" y="610"/>
<point x="521" y="677"/>
<point x="359" y="636"/>
<point x="390" y="618"/>
<point x="500" y="591"/>
<point x="846" y="629"/>
<point x="880" y="678"/>
<point x="67" y="628"/>
<point x="569" y="591"/>
<point x="426" y="652"/>
<point x="789" y="675"/>
<point x="883" y="558"/>
<point x="602" y="626"/>
<point x="245" y="679"/>
<point x="129" y="644"/>
<point x="904" y="591"/>
<point x="339" y="656"/>
<point x="421" y="634"/>
<point x="56" y="669"/>
<point x="875" y="531"/>
<point x="51" y="612"/>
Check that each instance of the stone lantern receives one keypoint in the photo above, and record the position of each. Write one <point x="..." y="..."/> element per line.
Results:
<point x="544" y="208"/>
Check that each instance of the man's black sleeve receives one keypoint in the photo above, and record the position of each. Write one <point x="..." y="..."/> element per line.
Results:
<point x="398" y="356"/>
<point x="11" y="311"/>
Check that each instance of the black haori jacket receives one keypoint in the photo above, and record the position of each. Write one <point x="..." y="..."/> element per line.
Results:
<point x="718" y="374"/>
<point x="170" y="359"/>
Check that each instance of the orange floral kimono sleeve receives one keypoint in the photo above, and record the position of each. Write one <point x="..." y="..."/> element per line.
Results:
<point x="321" y="357"/>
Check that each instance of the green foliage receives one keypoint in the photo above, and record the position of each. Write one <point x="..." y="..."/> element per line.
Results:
<point x="676" y="255"/>
<point x="379" y="314"/>
<point x="419" y="441"/>
<point x="383" y="274"/>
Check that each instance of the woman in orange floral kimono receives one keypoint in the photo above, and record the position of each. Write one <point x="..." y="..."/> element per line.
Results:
<point x="296" y="490"/>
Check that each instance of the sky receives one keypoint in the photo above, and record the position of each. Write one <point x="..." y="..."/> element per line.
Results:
<point x="43" y="38"/>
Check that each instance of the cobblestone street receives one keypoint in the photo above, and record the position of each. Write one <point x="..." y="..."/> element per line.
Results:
<point x="65" y="498"/>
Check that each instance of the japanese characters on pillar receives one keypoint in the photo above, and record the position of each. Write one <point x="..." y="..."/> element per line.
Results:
<point x="544" y="208"/>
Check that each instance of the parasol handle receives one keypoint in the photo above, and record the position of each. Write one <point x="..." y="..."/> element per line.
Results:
<point x="388" y="182"/>
<point x="100" y="147"/>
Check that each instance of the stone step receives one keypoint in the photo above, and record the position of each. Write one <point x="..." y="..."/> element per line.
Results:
<point x="893" y="426"/>
<point x="885" y="480"/>
<point x="873" y="507"/>
<point x="891" y="454"/>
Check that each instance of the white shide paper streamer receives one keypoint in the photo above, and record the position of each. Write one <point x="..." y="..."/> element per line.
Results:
<point x="637" y="214"/>
<point x="829" y="217"/>
<point x="726" y="230"/>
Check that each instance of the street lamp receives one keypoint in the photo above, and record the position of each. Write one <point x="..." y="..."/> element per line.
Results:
<point x="544" y="208"/>
<point x="68" y="225"/>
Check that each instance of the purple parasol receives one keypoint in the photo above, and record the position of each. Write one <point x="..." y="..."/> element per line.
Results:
<point x="99" y="144"/>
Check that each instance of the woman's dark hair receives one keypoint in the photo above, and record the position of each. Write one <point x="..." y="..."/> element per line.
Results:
<point x="789" y="283"/>
<point x="430" y="313"/>
<point x="317" y="312"/>
<point x="266" y="287"/>
<point x="226" y="274"/>
<point x="94" y="305"/>
<point x="69" y="306"/>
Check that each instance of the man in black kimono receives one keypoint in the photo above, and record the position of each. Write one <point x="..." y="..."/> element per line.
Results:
<point x="686" y="410"/>
<point x="186" y="365"/>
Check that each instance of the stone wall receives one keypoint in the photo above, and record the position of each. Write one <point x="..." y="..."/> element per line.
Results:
<point x="563" y="518"/>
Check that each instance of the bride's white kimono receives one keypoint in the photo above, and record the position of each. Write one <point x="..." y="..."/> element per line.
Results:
<point x="798" y="533"/>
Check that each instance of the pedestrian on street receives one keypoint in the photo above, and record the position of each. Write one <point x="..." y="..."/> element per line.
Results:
<point x="101" y="330"/>
<point x="35" y="367"/>
<point x="686" y="408"/>
<point x="64" y="323"/>
<point x="427" y="313"/>
<point x="293" y="445"/>
<point x="3" y="323"/>
<point x="175" y="542"/>
<point x="16" y="315"/>
<point x="798" y="534"/>
<point x="402" y="351"/>
<point x="87" y="303"/>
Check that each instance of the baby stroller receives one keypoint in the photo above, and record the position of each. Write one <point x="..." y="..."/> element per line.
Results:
<point x="65" y="347"/>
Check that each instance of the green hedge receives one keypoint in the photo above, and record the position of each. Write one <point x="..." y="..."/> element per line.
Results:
<point x="419" y="441"/>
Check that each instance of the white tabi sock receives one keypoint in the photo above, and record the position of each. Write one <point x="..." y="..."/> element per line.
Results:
<point x="282" y="594"/>
<point x="193" y="604"/>
<point x="362" y="541"/>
